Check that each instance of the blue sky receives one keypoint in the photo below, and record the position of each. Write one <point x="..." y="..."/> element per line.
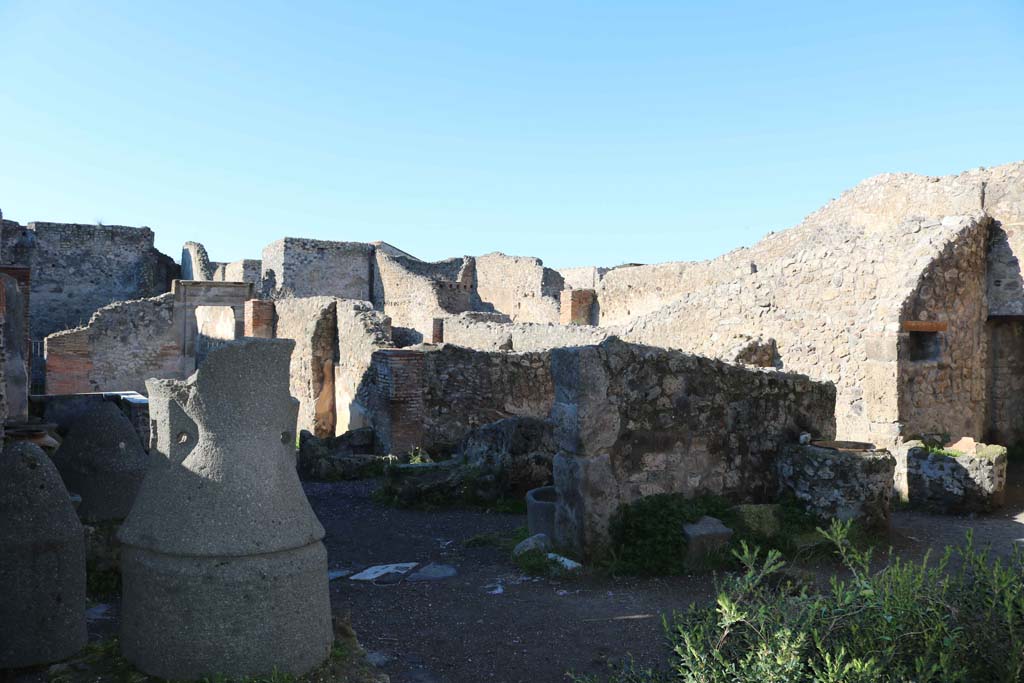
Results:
<point x="580" y="132"/>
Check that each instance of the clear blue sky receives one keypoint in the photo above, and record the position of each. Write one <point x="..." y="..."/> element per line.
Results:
<point x="580" y="132"/>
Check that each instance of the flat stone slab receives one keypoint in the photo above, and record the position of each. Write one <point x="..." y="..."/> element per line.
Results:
<point x="433" y="572"/>
<point x="703" y="537"/>
<point x="381" y="570"/>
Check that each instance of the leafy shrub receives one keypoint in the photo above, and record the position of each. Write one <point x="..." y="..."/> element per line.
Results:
<point x="958" y="619"/>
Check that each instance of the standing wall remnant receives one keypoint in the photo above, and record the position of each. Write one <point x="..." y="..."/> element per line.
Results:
<point x="519" y="286"/>
<point x="634" y="421"/>
<point x="431" y="397"/>
<point x="304" y="267"/>
<point x="223" y="566"/>
<point x="78" y="269"/>
<point x="42" y="566"/>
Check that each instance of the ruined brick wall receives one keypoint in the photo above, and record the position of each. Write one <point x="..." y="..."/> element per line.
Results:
<point x="633" y="421"/>
<point x="583" y="277"/>
<point x="334" y="341"/>
<point x="518" y="286"/>
<point x="128" y="342"/>
<point x="77" y="269"/>
<point x="431" y="397"/>
<point x="124" y="345"/>
<point x="304" y="267"/>
<point x="831" y="299"/>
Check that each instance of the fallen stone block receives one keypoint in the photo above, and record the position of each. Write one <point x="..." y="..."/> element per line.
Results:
<point x="537" y="542"/>
<point x="953" y="481"/>
<point x="706" y="536"/>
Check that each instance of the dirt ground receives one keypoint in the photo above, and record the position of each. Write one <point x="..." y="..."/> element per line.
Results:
<point x="489" y="622"/>
<point x="465" y="630"/>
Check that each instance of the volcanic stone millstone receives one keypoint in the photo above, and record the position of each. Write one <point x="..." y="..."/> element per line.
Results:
<point x="42" y="562"/>
<point x="224" y="571"/>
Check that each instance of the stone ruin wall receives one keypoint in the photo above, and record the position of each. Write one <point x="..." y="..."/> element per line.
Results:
<point x="334" y="341"/>
<point x="361" y="331"/>
<point x="491" y="332"/>
<point x="305" y="267"/>
<point x="196" y="265"/>
<point x="430" y="397"/>
<point x="123" y="345"/>
<point x="518" y="286"/>
<point x="634" y="421"/>
<point x="413" y="293"/>
<point x="312" y="323"/>
<point x="947" y="394"/>
<point x="78" y="269"/>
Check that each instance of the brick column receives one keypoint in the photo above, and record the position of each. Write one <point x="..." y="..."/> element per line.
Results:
<point x="397" y="407"/>
<point x="437" y="336"/>
<point x="259" y="318"/>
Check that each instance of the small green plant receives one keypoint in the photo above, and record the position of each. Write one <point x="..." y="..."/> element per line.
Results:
<point x="418" y="456"/>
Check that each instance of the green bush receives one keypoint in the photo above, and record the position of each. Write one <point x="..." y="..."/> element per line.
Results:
<point x="958" y="619"/>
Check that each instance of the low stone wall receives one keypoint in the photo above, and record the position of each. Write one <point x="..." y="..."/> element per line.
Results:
<point x="633" y="421"/>
<point x="944" y="483"/>
<point x="836" y="483"/>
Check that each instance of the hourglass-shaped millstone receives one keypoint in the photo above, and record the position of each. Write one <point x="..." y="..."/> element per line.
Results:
<point x="42" y="562"/>
<point x="223" y="568"/>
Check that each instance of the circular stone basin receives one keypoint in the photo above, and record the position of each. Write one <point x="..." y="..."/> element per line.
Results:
<point x="540" y="510"/>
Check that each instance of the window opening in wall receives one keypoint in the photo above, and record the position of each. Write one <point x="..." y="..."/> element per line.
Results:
<point x="925" y="346"/>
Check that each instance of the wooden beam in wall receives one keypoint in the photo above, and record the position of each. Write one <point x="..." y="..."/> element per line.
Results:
<point x="924" y="326"/>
